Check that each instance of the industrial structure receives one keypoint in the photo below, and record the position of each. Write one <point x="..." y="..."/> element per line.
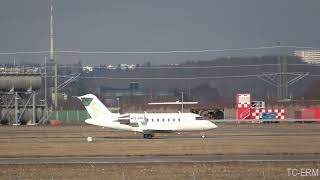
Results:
<point x="19" y="90"/>
<point x="53" y="66"/>
<point x="18" y="101"/>
<point x="282" y="79"/>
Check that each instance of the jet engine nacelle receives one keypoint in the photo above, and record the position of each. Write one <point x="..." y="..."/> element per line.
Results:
<point x="126" y="119"/>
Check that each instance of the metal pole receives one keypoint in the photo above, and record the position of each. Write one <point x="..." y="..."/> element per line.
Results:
<point x="189" y="91"/>
<point x="51" y="30"/>
<point x="182" y="101"/>
<point x="118" y="99"/>
<point x="285" y="81"/>
<point x="280" y="79"/>
<point x="282" y="75"/>
<point x="77" y="115"/>
<point x="16" y="107"/>
<point x="33" y="107"/>
<point x="45" y="87"/>
<point x="55" y="83"/>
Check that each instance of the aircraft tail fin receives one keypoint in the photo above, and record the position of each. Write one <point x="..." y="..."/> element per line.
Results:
<point x="94" y="106"/>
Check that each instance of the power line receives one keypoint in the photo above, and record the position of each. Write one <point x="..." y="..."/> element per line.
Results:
<point x="172" y="67"/>
<point x="195" y="67"/>
<point x="163" y="78"/>
<point x="181" y="67"/>
<point x="190" y="51"/>
<point x="157" y="52"/>
<point x="170" y="78"/>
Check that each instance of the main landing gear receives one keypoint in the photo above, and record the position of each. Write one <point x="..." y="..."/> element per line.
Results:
<point x="147" y="136"/>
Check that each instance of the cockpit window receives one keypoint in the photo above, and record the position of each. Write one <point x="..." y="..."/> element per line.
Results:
<point x="86" y="101"/>
<point x="200" y="118"/>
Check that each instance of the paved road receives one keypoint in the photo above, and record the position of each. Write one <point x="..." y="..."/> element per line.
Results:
<point x="171" y="137"/>
<point x="157" y="159"/>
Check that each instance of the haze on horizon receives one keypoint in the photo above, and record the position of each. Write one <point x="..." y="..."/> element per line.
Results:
<point x="151" y="25"/>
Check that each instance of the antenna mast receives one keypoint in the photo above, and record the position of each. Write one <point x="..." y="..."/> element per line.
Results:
<point x="52" y="59"/>
<point x="51" y="31"/>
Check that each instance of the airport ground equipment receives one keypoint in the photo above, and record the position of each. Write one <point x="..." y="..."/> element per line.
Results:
<point x="254" y="110"/>
<point x="210" y="113"/>
<point x="18" y="97"/>
<point x="308" y="115"/>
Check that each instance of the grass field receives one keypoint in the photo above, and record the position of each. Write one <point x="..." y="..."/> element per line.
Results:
<point x="38" y="141"/>
<point x="159" y="171"/>
<point x="22" y="141"/>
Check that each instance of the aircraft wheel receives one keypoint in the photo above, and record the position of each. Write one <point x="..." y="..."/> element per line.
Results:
<point x="149" y="136"/>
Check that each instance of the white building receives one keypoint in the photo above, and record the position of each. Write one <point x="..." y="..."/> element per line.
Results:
<point x="87" y="68"/>
<point x="127" y="66"/>
<point x="111" y="67"/>
<point x="309" y="56"/>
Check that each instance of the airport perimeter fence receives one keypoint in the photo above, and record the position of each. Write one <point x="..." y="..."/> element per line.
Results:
<point x="69" y="117"/>
<point x="79" y="116"/>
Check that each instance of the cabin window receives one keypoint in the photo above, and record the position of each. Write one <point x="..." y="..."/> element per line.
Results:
<point x="168" y="120"/>
<point x="179" y="119"/>
<point x="147" y="120"/>
<point x="163" y="120"/>
<point x="158" y="120"/>
<point x="173" y="120"/>
<point x="152" y="120"/>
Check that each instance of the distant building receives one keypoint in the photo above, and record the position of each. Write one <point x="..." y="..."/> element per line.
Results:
<point x="87" y="68"/>
<point x="111" y="67"/>
<point x="133" y="90"/>
<point x="309" y="56"/>
<point x="127" y="66"/>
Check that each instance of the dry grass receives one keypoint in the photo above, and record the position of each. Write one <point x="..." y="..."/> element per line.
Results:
<point x="154" y="171"/>
<point x="228" y="139"/>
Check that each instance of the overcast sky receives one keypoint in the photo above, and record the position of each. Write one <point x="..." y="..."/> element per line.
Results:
<point x="157" y="25"/>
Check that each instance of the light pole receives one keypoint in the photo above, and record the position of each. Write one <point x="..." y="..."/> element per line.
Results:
<point x="118" y="100"/>
<point x="45" y="87"/>
<point x="182" y="101"/>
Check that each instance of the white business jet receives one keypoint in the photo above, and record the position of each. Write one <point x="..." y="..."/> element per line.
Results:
<point x="145" y="123"/>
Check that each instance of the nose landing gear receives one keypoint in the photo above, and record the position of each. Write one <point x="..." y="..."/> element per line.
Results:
<point x="203" y="135"/>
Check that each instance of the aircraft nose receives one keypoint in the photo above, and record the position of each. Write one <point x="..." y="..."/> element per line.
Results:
<point x="214" y="125"/>
<point x="211" y="125"/>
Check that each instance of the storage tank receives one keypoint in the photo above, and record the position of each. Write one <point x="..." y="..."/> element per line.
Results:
<point x="19" y="82"/>
<point x="7" y="115"/>
<point x="16" y="92"/>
